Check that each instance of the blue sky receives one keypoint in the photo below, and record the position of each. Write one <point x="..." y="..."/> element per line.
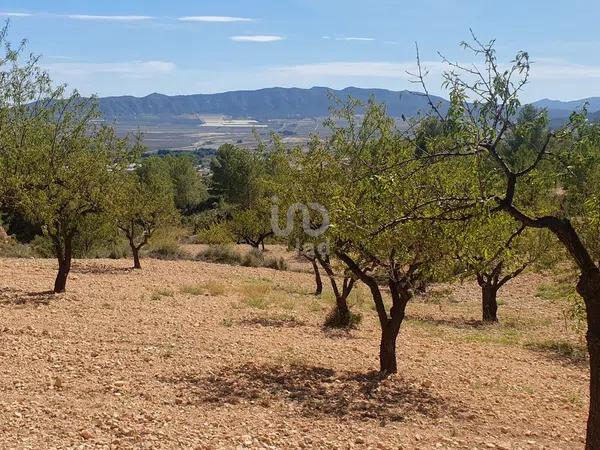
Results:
<point x="117" y="47"/>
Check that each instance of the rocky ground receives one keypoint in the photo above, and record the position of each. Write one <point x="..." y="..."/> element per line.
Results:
<point x="195" y="355"/>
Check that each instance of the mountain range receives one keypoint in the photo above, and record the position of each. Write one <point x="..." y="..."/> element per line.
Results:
<point x="293" y="103"/>
<point x="262" y="104"/>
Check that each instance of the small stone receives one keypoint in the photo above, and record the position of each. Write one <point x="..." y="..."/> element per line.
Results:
<point x="86" y="434"/>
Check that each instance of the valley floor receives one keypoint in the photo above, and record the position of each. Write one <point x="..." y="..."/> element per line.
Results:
<point x="192" y="355"/>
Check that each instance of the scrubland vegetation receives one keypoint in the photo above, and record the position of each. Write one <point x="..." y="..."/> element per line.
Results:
<point x="394" y="226"/>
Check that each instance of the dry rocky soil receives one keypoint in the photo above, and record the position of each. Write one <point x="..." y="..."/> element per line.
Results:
<point x="184" y="354"/>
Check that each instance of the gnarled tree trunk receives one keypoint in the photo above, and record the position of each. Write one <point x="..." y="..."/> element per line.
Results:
<point x="589" y="289"/>
<point x="64" y="254"/>
<point x="136" y="257"/>
<point x="489" y="303"/>
<point x="390" y="330"/>
<point x="489" y="292"/>
<point x="390" y="325"/>
<point x="341" y="297"/>
<point x="318" y="281"/>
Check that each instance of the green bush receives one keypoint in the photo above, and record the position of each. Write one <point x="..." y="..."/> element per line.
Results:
<point x="170" y="251"/>
<point x="227" y="254"/>
<point x="215" y="234"/>
<point x="220" y="254"/>
<point x="254" y="258"/>
<point x="42" y="247"/>
<point x="12" y="248"/>
<point x="275" y="263"/>
<point x="346" y="321"/>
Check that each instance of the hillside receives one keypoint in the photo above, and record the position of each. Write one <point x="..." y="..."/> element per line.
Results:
<point x="291" y="103"/>
<point x="263" y="104"/>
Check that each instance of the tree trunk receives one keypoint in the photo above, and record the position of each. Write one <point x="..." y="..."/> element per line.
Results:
<point x="489" y="303"/>
<point x="136" y="257"/>
<point x="318" y="281"/>
<point x="391" y="329"/>
<point x="387" y="350"/>
<point x="65" y="256"/>
<point x="589" y="288"/>
<point x="341" y="302"/>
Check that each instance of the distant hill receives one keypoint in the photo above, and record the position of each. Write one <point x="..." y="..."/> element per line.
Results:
<point x="263" y="104"/>
<point x="556" y="106"/>
<point x="293" y="103"/>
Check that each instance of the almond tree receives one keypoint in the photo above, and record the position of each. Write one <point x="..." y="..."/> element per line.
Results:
<point x="382" y="227"/>
<point x="26" y="94"/>
<point x="146" y="203"/>
<point x="66" y="173"/>
<point x="497" y="261"/>
<point x="550" y="183"/>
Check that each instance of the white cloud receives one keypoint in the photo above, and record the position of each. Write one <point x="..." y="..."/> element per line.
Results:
<point x="353" y="38"/>
<point x="133" y="69"/>
<point x="216" y="19"/>
<point x="556" y="69"/>
<point x="15" y="14"/>
<point x="359" y="69"/>
<point x="107" y="18"/>
<point x="257" y="38"/>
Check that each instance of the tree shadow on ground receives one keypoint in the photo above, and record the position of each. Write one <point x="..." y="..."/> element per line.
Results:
<point x="455" y="322"/>
<point x="275" y="322"/>
<point x="9" y="296"/>
<point x="99" y="269"/>
<point x="563" y="352"/>
<point x="315" y="391"/>
<point x="337" y="333"/>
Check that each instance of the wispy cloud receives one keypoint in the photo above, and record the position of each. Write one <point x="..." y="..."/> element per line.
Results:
<point x="131" y="18"/>
<point x="108" y="18"/>
<point x="548" y="69"/>
<point x="215" y="19"/>
<point x="257" y="38"/>
<point x="132" y="69"/>
<point x="556" y="68"/>
<point x="359" y="69"/>
<point x="15" y="14"/>
<point x="354" y="38"/>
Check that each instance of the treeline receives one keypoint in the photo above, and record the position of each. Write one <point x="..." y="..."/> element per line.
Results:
<point x="483" y="190"/>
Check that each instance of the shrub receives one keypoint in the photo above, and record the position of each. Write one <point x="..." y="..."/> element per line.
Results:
<point x="346" y="321"/>
<point x="275" y="263"/>
<point x="254" y="258"/>
<point x="220" y="254"/>
<point x="226" y="254"/>
<point x="42" y="247"/>
<point x="12" y="248"/>
<point x="169" y="251"/>
<point x="215" y="234"/>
